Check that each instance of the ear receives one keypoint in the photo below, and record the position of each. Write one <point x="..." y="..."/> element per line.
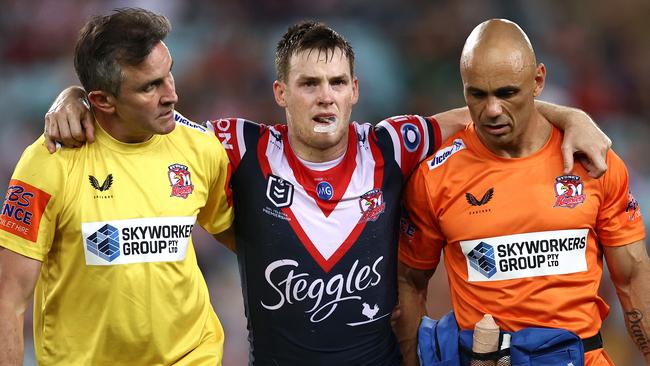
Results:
<point x="279" y="90"/>
<point x="540" y="79"/>
<point x="102" y="101"/>
<point x="355" y="90"/>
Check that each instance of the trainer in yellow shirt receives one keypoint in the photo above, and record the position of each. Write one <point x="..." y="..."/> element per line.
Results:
<point x="104" y="231"/>
<point x="522" y="241"/>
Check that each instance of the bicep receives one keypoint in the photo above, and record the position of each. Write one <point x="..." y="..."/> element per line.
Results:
<point x="416" y="279"/>
<point x="227" y="238"/>
<point x="18" y="276"/>
<point x="625" y="261"/>
<point x="452" y="121"/>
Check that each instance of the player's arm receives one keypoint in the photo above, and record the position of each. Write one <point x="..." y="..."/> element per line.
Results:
<point x="412" y="286"/>
<point x="581" y="134"/>
<point x="227" y="238"/>
<point x="69" y="120"/>
<point x="18" y="276"/>
<point x="629" y="268"/>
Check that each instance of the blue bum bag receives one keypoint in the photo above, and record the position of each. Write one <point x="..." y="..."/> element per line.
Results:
<point x="441" y="343"/>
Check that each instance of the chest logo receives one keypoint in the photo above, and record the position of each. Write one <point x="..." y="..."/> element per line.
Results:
<point x="279" y="191"/>
<point x="486" y="198"/>
<point x="568" y="191"/>
<point x="108" y="182"/>
<point x="372" y="205"/>
<point x="325" y="191"/>
<point x="180" y="181"/>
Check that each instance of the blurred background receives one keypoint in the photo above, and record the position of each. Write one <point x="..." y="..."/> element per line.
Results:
<point x="596" y="53"/>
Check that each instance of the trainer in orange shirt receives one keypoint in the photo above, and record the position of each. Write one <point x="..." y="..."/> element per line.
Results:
<point x="522" y="241"/>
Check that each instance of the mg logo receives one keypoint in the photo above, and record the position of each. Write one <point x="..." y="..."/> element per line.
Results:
<point x="481" y="258"/>
<point x="279" y="191"/>
<point x="105" y="243"/>
<point x="325" y="191"/>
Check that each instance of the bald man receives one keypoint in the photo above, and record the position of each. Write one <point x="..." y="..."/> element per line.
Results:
<point x="521" y="240"/>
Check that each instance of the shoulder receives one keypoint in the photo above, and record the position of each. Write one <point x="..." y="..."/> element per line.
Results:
<point x="451" y="151"/>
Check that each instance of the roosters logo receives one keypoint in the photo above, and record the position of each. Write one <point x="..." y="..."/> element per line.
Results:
<point x="372" y="205"/>
<point x="568" y="191"/>
<point x="179" y="177"/>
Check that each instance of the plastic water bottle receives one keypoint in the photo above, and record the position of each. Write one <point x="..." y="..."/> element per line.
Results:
<point x="485" y="339"/>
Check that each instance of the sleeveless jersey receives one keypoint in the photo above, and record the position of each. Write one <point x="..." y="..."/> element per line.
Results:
<point x="522" y="241"/>
<point x="317" y="250"/>
<point x="111" y="223"/>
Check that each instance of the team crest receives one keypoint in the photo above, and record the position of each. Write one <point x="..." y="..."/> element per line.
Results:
<point x="568" y="191"/>
<point x="180" y="180"/>
<point x="372" y="205"/>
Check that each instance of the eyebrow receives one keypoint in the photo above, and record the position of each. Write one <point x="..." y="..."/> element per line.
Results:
<point x="156" y="80"/>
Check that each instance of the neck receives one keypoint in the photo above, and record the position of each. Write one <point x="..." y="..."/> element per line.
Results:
<point x="317" y="155"/>
<point x="528" y="142"/>
<point x="117" y="129"/>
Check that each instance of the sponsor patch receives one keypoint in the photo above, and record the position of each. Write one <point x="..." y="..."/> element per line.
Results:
<point x="632" y="211"/>
<point x="526" y="255"/>
<point x="568" y="191"/>
<point x="158" y="239"/>
<point x="279" y="191"/>
<point x="186" y="122"/>
<point x="486" y="198"/>
<point x="23" y="209"/>
<point x="410" y="136"/>
<point x="443" y="154"/>
<point x="180" y="180"/>
<point x="105" y="186"/>
<point x="372" y="205"/>
<point x="325" y="191"/>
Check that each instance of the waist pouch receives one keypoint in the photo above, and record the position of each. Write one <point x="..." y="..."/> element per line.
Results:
<point x="441" y="343"/>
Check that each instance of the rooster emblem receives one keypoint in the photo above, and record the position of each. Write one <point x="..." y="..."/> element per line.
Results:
<point x="568" y="191"/>
<point x="180" y="181"/>
<point x="372" y="205"/>
<point x="368" y="311"/>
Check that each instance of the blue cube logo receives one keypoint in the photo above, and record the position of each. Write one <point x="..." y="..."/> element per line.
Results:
<point x="481" y="258"/>
<point x="105" y="243"/>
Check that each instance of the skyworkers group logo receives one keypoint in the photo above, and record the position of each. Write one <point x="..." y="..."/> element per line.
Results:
<point x="104" y="243"/>
<point x="481" y="258"/>
<point x="525" y="255"/>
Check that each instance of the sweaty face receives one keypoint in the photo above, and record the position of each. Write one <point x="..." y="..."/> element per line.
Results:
<point x="500" y="93"/>
<point x="145" y="104"/>
<point x="318" y="96"/>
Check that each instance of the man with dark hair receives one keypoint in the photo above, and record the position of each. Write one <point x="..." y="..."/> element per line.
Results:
<point x="101" y="234"/>
<point x="530" y="251"/>
<point x="317" y="204"/>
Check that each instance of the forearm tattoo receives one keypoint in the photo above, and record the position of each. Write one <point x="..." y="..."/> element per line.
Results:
<point x="634" y="322"/>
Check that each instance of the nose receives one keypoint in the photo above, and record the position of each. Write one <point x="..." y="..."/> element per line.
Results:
<point x="168" y="93"/>
<point x="325" y="95"/>
<point x="493" y="108"/>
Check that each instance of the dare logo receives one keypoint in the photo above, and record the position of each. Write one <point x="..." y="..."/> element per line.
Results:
<point x="22" y="210"/>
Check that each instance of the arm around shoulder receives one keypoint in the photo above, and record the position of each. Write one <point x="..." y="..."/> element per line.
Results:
<point x="452" y="121"/>
<point x="581" y="136"/>
<point x="629" y="267"/>
<point x="18" y="276"/>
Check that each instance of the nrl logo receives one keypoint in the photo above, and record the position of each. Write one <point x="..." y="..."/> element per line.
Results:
<point x="180" y="181"/>
<point x="279" y="191"/>
<point x="108" y="182"/>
